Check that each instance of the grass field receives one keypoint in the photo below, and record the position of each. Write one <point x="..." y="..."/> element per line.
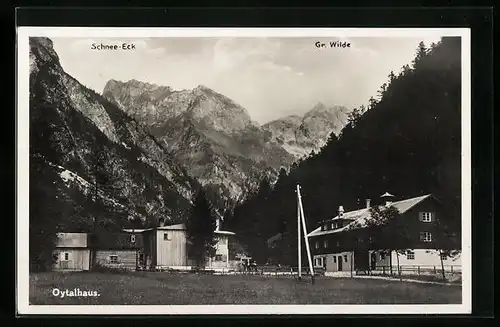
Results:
<point x="165" y="288"/>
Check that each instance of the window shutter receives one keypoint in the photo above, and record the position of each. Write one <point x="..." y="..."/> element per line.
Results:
<point x="421" y="216"/>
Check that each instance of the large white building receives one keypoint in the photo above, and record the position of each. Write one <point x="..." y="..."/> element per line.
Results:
<point x="337" y="244"/>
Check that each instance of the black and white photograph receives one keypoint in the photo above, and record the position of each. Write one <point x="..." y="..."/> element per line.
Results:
<point x="260" y="170"/>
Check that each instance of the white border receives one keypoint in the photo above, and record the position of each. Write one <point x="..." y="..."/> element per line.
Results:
<point x="22" y="253"/>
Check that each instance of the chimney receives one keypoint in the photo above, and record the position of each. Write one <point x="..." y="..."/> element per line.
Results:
<point x="341" y="211"/>
<point x="368" y="203"/>
<point x="217" y="227"/>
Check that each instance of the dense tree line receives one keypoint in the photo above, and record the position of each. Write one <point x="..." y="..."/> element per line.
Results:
<point x="407" y="141"/>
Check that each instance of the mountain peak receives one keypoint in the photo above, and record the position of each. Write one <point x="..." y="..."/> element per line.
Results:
<point x="321" y="109"/>
<point x="318" y="107"/>
<point x="45" y="41"/>
<point x="135" y="84"/>
<point x="44" y="48"/>
<point x="319" y="104"/>
<point x="202" y="87"/>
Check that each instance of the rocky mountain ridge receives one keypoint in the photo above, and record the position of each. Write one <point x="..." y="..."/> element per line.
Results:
<point x="72" y="128"/>
<point x="301" y="135"/>
<point x="208" y="133"/>
<point x="148" y="147"/>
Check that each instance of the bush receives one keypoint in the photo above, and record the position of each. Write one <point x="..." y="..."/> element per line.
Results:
<point x="111" y="270"/>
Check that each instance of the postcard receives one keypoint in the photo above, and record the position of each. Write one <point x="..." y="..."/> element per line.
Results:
<point x="243" y="171"/>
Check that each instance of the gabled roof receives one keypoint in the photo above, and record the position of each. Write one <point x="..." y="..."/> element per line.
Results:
<point x="72" y="240"/>
<point x="173" y="227"/>
<point x="135" y="230"/>
<point x="359" y="217"/>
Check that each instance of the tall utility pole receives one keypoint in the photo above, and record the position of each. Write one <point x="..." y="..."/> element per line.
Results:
<point x="302" y="219"/>
<point x="298" y="237"/>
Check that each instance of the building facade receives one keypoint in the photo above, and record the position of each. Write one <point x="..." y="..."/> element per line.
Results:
<point x="162" y="247"/>
<point x="344" y="243"/>
<point x="120" y="250"/>
<point x="71" y="252"/>
<point x="165" y="247"/>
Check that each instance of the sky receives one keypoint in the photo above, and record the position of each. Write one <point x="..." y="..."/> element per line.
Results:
<point x="269" y="77"/>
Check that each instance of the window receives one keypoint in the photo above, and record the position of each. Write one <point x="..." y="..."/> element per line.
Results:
<point x="443" y="256"/>
<point x="221" y="240"/>
<point x="132" y="238"/>
<point x="316" y="245"/>
<point x="425" y="237"/>
<point x="325" y="243"/>
<point x="166" y="237"/>
<point x="338" y="243"/>
<point x="141" y="257"/>
<point x="360" y="240"/>
<point x="345" y="258"/>
<point x="66" y="256"/>
<point x="113" y="259"/>
<point x="218" y="257"/>
<point x="326" y="226"/>
<point x="335" y="259"/>
<point x="332" y="226"/>
<point x="410" y="255"/>
<point x="426" y="217"/>
<point x="371" y="239"/>
<point x="382" y="256"/>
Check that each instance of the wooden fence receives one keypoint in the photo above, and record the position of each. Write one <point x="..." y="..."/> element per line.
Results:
<point x="269" y="271"/>
<point x="423" y="272"/>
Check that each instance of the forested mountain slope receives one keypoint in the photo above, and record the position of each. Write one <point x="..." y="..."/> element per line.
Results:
<point x="407" y="142"/>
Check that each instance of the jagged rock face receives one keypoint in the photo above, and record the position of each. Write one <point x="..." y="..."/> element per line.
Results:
<point x="78" y="132"/>
<point x="153" y="104"/>
<point x="211" y="135"/>
<point x="301" y="135"/>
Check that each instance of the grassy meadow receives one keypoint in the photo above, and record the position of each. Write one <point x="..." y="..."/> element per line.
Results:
<point x="160" y="288"/>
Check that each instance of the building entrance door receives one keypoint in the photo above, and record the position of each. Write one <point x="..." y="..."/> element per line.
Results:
<point x="339" y="261"/>
<point x="373" y="261"/>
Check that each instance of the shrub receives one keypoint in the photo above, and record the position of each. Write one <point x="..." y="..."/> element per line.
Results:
<point x="107" y="269"/>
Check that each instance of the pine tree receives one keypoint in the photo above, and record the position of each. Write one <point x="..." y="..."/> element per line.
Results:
<point x="392" y="77"/>
<point x="372" y="102"/>
<point x="421" y="53"/>
<point x="382" y="91"/>
<point x="200" y="227"/>
<point x="45" y="213"/>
